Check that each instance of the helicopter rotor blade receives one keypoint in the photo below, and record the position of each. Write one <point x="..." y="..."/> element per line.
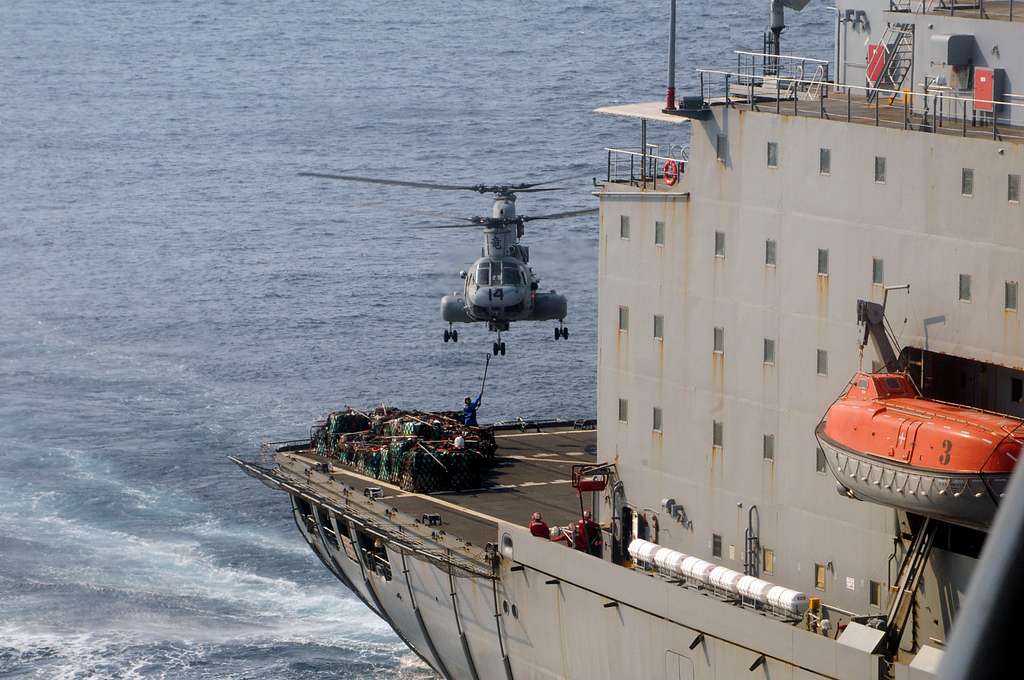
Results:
<point x="555" y="216"/>
<point x="390" y="182"/>
<point x="449" y="226"/>
<point x="532" y="191"/>
<point x="530" y="185"/>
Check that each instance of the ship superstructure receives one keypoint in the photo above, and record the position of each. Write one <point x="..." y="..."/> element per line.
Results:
<point x="818" y="204"/>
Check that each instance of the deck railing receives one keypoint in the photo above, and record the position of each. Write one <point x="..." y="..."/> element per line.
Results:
<point x="983" y="9"/>
<point x="645" y="169"/>
<point x="929" y="110"/>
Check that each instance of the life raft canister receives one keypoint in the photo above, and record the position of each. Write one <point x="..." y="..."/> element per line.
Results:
<point x="670" y="171"/>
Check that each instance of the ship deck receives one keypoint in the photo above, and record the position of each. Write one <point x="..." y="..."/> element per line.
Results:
<point x="532" y="473"/>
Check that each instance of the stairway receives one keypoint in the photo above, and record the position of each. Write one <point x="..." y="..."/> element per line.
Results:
<point x="898" y="41"/>
<point x="911" y="567"/>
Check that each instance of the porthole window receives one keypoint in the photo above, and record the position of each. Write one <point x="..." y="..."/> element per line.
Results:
<point x="880" y="169"/>
<point x="967" y="182"/>
<point x="964" y="288"/>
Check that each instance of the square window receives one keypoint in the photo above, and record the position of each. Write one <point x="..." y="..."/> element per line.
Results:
<point x="875" y="593"/>
<point x="769" y="351"/>
<point x="623" y="226"/>
<point x="967" y="182"/>
<point x="1016" y="390"/>
<point x="716" y="545"/>
<point x="878" y="271"/>
<point x="880" y="169"/>
<point x="623" y="318"/>
<point x="825" y="161"/>
<point x="822" y="362"/>
<point x="719" y="244"/>
<point x="623" y="411"/>
<point x="820" y="464"/>
<point x="721" y="147"/>
<point x="822" y="262"/>
<point x="659" y="233"/>
<point x="768" y="447"/>
<point x="768" y="560"/>
<point x="965" y="288"/>
<point x="659" y="326"/>
<point x="1011" y="295"/>
<point x="716" y="433"/>
<point x="819" y="576"/>
<point x="719" y="345"/>
<point x="1013" y="188"/>
<point x="769" y="252"/>
<point x="773" y="154"/>
<point x="657" y="419"/>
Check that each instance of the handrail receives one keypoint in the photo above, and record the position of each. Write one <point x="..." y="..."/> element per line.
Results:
<point x="936" y="111"/>
<point x="951" y="7"/>
<point x="780" y="56"/>
<point x="644" y="168"/>
<point x="865" y="88"/>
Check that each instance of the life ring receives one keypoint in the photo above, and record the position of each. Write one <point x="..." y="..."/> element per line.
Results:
<point x="670" y="172"/>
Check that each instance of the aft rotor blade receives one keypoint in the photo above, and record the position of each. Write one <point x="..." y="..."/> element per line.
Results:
<point x="555" y="216"/>
<point x="390" y="182"/>
<point x="449" y="226"/>
<point x="531" y="191"/>
<point x="528" y="185"/>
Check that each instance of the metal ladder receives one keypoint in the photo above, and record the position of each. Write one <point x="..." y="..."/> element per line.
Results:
<point x="898" y="41"/>
<point x="907" y="580"/>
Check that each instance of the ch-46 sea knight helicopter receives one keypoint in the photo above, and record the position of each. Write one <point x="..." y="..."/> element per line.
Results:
<point x="500" y="287"/>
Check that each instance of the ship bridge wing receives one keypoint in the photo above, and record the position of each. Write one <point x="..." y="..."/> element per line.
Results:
<point x="645" y="111"/>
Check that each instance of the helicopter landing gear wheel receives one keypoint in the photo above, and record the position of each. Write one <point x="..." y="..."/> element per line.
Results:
<point x="558" y="333"/>
<point x="447" y="335"/>
<point x="565" y="332"/>
<point x="455" y="336"/>
<point x="501" y="348"/>
<point x="494" y="349"/>
<point x="562" y="331"/>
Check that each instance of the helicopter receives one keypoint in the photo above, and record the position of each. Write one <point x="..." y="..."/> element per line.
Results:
<point x="500" y="287"/>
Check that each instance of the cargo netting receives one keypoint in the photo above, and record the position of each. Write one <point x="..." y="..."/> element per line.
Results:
<point x="418" y="451"/>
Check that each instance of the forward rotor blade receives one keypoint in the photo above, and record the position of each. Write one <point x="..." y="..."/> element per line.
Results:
<point x="531" y="191"/>
<point x="449" y="226"/>
<point x="390" y="182"/>
<point x="555" y="216"/>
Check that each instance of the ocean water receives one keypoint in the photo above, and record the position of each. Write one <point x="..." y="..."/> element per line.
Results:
<point x="171" y="292"/>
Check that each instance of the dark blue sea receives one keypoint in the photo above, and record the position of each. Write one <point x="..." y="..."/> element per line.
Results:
<point x="171" y="292"/>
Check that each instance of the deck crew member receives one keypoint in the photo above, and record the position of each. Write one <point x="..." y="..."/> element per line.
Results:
<point x="469" y="410"/>
<point x="588" y="534"/>
<point x="538" y="527"/>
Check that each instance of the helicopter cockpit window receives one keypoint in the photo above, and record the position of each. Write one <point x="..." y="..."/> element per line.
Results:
<point x="511" y="275"/>
<point x="483" y="274"/>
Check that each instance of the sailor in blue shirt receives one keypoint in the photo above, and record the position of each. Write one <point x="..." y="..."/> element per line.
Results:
<point x="469" y="411"/>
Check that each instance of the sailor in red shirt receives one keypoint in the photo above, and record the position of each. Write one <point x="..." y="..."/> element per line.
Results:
<point x="538" y="527"/>
<point x="588" y="534"/>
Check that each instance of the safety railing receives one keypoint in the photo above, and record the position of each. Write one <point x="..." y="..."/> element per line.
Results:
<point x="646" y="169"/>
<point x="931" y="110"/>
<point x="759" y="65"/>
<point x="977" y="9"/>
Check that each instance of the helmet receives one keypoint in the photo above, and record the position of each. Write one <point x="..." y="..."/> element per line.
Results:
<point x="536" y="517"/>
<point x="468" y="401"/>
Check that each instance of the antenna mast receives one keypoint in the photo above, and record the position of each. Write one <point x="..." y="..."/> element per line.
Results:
<point x="670" y="96"/>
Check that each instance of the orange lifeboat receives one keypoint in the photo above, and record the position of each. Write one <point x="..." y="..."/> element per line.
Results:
<point x="884" y="443"/>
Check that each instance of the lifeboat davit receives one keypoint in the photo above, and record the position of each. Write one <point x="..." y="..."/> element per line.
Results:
<point x="885" y="443"/>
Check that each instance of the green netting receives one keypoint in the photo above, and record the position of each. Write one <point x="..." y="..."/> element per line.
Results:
<point x="415" y="450"/>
